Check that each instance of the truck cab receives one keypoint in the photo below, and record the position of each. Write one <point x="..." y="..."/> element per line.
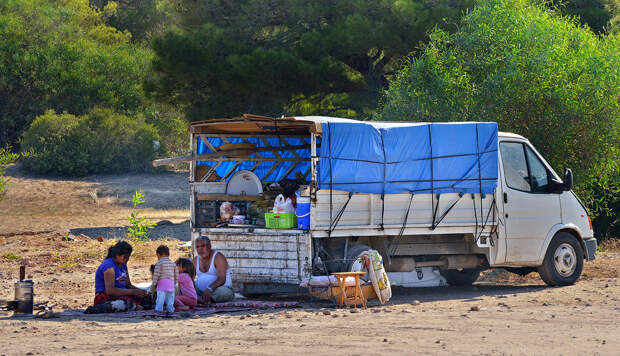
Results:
<point x="545" y="223"/>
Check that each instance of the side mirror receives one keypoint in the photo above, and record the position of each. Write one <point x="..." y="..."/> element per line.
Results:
<point x="568" y="179"/>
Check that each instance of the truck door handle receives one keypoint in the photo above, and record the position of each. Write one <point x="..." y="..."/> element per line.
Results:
<point x="505" y="198"/>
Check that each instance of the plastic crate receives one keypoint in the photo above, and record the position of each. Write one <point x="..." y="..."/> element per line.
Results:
<point x="207" y="213"/>
<point x="280" y="220"/>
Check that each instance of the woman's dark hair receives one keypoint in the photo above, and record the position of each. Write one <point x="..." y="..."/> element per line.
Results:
<point x="120" y="248"/>
<point x="187" y="266"/>
<point x="163" y="250"/>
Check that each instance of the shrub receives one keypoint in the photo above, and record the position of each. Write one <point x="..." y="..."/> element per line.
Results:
<point x="535" y="73"/>
<point x="101" y="142"/>
<point x="6" y="157"/>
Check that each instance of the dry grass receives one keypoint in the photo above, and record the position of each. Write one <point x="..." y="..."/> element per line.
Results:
<point x="610" y="245"/>
<point x="35" y="204"/>
<point x="58" y="251"/>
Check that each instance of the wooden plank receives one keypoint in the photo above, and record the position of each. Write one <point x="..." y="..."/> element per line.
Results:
<point x="253" y="135"/>
<point x="273" y="168"/>
<point x="316" y="128"/>
<point x="275" y="153"/>
<point x="288" y="144"/>
<point x="206" y="142"/>
<point x="231" y="170"/>
<point x="218" y="154"/>
<point x="240" y="239"/>
<point x="224" y="197"/>
<point x="258" y="255"/>
<point x="211" y="171"/>
<point x="288" y="171"/>
<point x="313" y="155"/>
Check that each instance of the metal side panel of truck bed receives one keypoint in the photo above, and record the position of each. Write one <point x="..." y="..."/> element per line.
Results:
<point x="262" y="255"/>
<point x="362" y="215"/>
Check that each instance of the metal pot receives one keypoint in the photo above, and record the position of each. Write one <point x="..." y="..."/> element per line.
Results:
<point x="24" y="296"/>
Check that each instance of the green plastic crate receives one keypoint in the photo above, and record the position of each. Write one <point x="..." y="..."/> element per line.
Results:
<point x="280" y="220"/>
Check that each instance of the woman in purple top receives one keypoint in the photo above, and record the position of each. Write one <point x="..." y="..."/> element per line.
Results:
<point x="112" y="278"/>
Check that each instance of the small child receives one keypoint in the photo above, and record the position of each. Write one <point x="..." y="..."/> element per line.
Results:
<point x="165" y="276"/>
<point x="187" y="297"/>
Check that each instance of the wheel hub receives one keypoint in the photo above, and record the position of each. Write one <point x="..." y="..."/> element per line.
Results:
<point x="565" y="260"/>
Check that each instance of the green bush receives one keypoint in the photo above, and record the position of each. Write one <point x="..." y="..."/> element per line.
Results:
<point x="603" y="198"/>
<point x="533" y="72"/>
<point x="101" y="142"/>
<point x="62" y="55"/>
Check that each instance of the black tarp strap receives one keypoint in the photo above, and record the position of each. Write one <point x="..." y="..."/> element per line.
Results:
<point x="334" y="223"/>
<point x="479" y="170"/>
<point x="382" y="211"/>
<point x="473" y="199"/>
<point x="402" y="229"/>
<point x="445" y="213"/>
<point x="331" y="184"/>
<point x="381" y="227"/>
<point x="486" y="220"/>
<point x="433" y="207"/>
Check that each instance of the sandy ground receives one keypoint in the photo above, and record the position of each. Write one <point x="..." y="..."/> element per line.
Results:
<point x="95" y="205"/>
<point x="500" y="315"/>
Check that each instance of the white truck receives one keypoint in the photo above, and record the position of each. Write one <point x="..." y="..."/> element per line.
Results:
<point x="506" y="208"/>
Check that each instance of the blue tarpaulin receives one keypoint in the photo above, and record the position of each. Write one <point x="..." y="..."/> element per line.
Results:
<point x="265" y="167"/>
<point x="385" y="158"/>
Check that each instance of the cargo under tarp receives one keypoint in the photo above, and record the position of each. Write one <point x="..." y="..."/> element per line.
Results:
<point x="388" y="158"/>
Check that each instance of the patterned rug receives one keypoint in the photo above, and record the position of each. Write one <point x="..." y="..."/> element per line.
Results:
<point x="233" y="306"/>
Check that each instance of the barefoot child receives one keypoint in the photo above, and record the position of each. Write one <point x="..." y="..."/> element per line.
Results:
<point x="187" y="297"/>
<point x="165" y="277"/>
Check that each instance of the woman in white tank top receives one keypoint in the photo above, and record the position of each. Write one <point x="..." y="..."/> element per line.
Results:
<point x="205" y="279"/>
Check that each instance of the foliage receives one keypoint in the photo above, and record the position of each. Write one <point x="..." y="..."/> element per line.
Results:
<point x="171" y="126"/>
<point x="100" y="142"/>
<point x="7" y="156"/>
<point x="61" y="55"/>
<point x="288" y="56"/>
<point x="10" y="256"/>
<point x="141" y="18"/>
<point x="138" y="231"/>
<point x="603" y="198"/>
<point x="597" y="14"/>
<point x="534" y="72"/>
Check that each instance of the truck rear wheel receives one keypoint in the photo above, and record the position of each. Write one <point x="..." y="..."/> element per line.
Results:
<point x="563" y="261"/>
<point x="353" y="251"/>
<point x="463" y="277"/>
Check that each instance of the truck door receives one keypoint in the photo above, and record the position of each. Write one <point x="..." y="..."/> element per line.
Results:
<point x="529" y="210"/>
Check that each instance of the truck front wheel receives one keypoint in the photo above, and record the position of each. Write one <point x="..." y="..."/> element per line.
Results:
<point x="563" y="261"/>
<point x="463" y="277"/>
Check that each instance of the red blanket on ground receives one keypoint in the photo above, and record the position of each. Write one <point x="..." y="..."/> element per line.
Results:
<point x="236" y="305"/>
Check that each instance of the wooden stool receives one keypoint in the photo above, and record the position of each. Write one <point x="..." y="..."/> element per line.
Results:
<point x="357" y="297"/>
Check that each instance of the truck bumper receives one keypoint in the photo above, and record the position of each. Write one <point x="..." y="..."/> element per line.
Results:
<point x="590" y="249"/>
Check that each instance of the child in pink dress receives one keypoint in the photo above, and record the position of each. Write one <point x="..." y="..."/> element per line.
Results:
<point x="187" y="296"/>
<point x="165" y="275"/>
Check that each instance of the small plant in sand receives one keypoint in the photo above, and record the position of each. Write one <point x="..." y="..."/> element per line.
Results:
<point x="94" y="197"/>
<point x="138" y="231"/>
<point x="10" y="256"/>
<point x="65" y="261"/>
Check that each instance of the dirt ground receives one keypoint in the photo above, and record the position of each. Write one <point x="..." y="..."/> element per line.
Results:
<point x="95" y="205"/>
<point x="500" y="315"/>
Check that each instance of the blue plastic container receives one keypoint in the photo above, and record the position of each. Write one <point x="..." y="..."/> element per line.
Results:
<point x="303" y="213"/>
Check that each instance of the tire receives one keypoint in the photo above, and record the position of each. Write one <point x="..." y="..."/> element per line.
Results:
<point x="563" y="261"/>
<point x="464" y="277"/>
<point x="353" y="251"/>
